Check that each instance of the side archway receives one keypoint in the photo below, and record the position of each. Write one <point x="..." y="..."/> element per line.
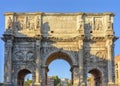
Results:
<point x="21" y="76"/>
<point x="94" y="77"/>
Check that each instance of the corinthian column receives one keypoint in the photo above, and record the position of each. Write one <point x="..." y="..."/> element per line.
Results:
<point x="110" y="62"/>
<point x="8" y="63"/>
<point x="37" y="72"/>
<point x="80" y="56"/>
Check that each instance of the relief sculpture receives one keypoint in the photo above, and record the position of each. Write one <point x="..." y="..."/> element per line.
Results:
<point x="19" y="55"/>
<point x="38" y="22"/>
<point x="9" y="23"/>
<point x="30" y="56"/>
<point x="80" y="24"/>
<point x="98" y="24"/>
<point x="37" y="39"/>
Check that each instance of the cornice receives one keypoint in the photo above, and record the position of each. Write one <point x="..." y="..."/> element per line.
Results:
<point x="26" y="39"/>
<point x="101" y="38"/>
<point x="59" y="13"/>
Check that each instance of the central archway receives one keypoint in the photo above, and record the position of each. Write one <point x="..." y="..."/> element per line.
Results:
<point x="59" y="55"/>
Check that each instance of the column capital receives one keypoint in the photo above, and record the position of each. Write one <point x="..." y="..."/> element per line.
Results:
<point x="109" y="42"/>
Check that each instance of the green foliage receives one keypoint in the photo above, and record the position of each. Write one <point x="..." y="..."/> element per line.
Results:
<point x="69" y="84"/>
<point x="27" y="83"/>
<point x="56" y="80"/>
<point x="59" y="84"/>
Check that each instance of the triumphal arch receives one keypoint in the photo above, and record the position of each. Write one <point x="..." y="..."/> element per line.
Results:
<point x="34" y="40"/>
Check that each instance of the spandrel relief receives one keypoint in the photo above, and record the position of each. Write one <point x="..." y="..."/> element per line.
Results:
<point x="101" y="55"/>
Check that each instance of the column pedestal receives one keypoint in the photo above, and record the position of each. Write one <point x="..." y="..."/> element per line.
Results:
<point x="8" y="84"/>
<point x="37" y="84"/>
<point x="110" y="65"/>
<point x="111" y="84"/>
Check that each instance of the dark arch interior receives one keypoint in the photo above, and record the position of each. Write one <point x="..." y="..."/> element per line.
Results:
<point x="96" y="77"/>
<point x="21" y="76"/>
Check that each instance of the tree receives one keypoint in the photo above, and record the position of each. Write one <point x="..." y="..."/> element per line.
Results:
<point x="69" y="83"/>
<point x="27" y="83"/>
<point x="56" y="80"/>
<point x="59" y="84"/>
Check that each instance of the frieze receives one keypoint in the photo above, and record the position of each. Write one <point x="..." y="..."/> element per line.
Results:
<point x="25" y="39"/>
<point x="75" y="38"/>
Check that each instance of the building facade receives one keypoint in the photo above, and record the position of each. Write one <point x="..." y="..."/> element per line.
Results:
<point x="65" y="82"/>
<point x="117" y="70"/>
<point x="50" y="81"/>
<point x="34" y="40"/>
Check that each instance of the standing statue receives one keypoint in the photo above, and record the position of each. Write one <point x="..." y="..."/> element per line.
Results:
<point x="9" y="23"/>
<point x="37" y="22"/>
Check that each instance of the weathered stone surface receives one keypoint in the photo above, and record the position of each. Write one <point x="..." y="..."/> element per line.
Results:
<point x="33" y="40"/>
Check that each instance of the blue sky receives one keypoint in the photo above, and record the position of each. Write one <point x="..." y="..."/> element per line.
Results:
<point x="59" y="6"/>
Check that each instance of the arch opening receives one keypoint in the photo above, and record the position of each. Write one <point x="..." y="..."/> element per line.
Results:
<point x="23" y="76"/>
<point x="59" y="56"/>
<point x="94" y="78"/>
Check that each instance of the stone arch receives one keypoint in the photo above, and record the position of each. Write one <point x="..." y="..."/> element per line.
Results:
<point x="21" y="76"/>
<point x="19" y="68"/>
<point x="59" y="55"/>
<point x="69" y="58"/>
<point x="96" y="78"/>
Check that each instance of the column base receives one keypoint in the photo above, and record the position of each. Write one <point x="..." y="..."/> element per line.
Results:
<point x="111" y="84"/>
<point x="37" y="84"/>
<point x="7" y="84"/>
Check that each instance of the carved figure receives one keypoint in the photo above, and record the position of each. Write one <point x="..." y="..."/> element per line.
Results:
<point x="29" y="56"/>
<point x="32" y="26"/>
<point x="37" y="22"/>
<point x="98" y="25"/>
<point x="17" y="26"/>
<point x="19" y="55"/>
<point x="9" y="23"/>
<point x="109" y="25"/>
<point x="80" y="25"/>
<point x="27" y="23"/>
